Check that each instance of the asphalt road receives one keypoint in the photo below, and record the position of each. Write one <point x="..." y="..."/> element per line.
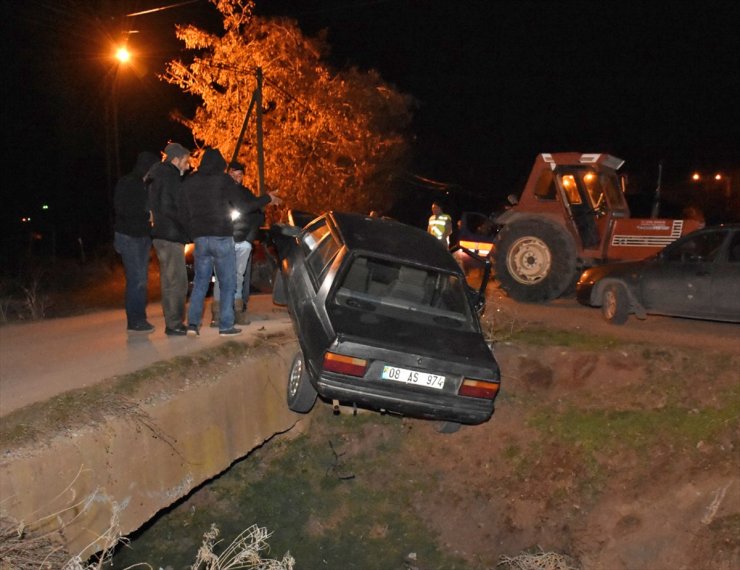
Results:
<point x="41" y="359"/>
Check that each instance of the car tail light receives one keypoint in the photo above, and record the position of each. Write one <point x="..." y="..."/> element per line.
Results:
<point x="344" y="364"/>
<point x="478" y="389"/>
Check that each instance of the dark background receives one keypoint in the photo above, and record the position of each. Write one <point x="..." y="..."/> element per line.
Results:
<point x="496" y="83"/>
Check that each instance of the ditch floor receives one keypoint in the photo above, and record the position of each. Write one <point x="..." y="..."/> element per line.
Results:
<point x="611" y="455"/>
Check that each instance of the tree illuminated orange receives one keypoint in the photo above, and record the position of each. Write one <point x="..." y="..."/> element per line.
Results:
<point x="332" y="139"/>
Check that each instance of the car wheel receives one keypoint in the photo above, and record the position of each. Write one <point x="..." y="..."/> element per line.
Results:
<point x="535" y="260"/>
<point x="615" y="306"/>
<point x="301" y="393"/>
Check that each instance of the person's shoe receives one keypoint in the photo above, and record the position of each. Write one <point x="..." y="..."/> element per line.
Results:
<point x="193" y="330"/>
<point x="233" y="331"/>
<point x="179" y="330"/>
<point x="142" y="327"/>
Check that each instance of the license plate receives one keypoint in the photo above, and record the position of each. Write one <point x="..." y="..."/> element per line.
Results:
<point x="413" y="377"/>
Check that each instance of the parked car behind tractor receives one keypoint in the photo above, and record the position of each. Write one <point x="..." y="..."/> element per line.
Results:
<point x="697" y="276"/>
<point x="571" y="215"/>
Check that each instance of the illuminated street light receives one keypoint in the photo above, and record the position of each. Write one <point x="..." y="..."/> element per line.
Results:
<point x="696" y="176"/>
<point x="123" y="55"/>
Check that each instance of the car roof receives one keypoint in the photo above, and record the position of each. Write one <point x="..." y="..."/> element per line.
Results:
<point x="390" y="238"/>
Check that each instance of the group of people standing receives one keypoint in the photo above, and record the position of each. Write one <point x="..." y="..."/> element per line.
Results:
<point x="157" y="204"/>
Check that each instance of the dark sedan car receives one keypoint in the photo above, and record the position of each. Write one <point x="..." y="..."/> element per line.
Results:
<point x="384" y="320"/>
<point x="697" y="276"/>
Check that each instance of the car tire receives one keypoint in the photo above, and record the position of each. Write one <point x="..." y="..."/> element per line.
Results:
<point x="615" y="304"/>
<point x="301" y="393"/>
<point x="535" y="260"/>
<point x="279" y="294"/>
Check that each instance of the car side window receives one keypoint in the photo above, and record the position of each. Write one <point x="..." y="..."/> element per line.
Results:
<point x="701" y="248"/>
<point x="314" y="234"/>
<point x="321" y="257"/>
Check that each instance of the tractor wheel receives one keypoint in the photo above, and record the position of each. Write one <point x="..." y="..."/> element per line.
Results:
<point x="301" y="393"/>
<point x="615" y="305"/>
<point x="535" y="260"/>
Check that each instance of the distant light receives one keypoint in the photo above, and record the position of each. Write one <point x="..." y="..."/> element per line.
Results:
<point x="45" y="207"/>
<point x="695" y="176"/>
<point x="123" y="55"/>
<point x="25" y="220"/>
<point x="718" y="177"/>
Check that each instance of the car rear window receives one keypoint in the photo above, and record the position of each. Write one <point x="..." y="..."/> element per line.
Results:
<point x="393" y="289"/>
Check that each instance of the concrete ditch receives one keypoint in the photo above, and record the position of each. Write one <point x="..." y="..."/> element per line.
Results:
<point x="90" y="484"/>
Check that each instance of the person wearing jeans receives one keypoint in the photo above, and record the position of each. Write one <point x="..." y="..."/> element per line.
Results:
<point x="214" y="252"/>
<point x="132" y="240"/>
<point x="206" y="201"/>
<point x="245" y="209"/>
<point x="243" y="251"/>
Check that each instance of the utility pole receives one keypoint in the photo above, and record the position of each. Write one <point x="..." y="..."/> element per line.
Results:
<point x="255" y="101"/>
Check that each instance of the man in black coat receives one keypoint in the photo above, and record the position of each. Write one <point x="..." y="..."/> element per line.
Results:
<point x="132" y="240"/>
<point x="206" y="202"/>
<point x="169" y="236"/>
<point x="246" y="225"/>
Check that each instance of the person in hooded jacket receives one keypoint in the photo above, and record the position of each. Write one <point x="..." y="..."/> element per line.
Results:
<point x="132" y="240"/>
<point x="206" y="201"/>
<point x="246" y="225"/>
<point x="169" y="237"/>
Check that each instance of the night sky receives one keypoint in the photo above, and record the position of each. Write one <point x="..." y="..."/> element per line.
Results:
<point x="496" y="83"/>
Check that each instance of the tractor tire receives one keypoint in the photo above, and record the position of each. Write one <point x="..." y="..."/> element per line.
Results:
<point x="615" y="304"/>
<point x="301" y="393"/>
<point x="535" y="260"/>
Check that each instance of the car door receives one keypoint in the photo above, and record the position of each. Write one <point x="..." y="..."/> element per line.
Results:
<point x="308" y="286"/>
<point x="679" y="282"/>
<point x="726" y="282"/>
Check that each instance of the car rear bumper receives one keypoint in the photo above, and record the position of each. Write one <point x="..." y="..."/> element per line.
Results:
<point x="420" y="404"/>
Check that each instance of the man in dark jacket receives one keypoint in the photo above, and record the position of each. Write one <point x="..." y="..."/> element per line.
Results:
<point x="132" y="240"/>
<point x="169" y="237"/>
<point x="206" y="202"/>
<point x="246" y="223"/>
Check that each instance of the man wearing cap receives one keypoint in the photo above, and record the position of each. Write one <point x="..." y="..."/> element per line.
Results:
<point x="132" y="240"/>
<point x="168" y="233"/>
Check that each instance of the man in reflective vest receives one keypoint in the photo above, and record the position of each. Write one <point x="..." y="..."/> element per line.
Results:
<point x="440" y="224"/>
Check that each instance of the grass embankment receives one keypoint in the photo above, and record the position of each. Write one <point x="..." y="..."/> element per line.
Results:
<point x="373" y="491"/>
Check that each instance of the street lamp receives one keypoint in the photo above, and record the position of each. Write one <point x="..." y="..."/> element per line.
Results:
<point x="123" y="56"/>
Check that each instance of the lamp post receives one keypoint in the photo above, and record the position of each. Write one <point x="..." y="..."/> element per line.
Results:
<point x="123" y="56"/>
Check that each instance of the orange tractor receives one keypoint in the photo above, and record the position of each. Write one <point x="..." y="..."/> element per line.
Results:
<point x="572" y="215"/>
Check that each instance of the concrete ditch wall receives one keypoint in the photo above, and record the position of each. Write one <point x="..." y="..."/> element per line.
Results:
<point x="127" y="469"/>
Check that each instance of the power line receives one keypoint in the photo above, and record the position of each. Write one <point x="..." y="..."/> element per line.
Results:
<point x="161" y="8"/>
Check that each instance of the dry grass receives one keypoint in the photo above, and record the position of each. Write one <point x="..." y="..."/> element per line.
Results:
<point x="538" y="561"/>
